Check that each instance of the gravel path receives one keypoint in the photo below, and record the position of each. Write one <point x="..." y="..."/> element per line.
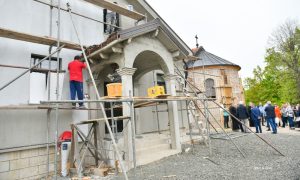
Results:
<point x="261" y="161"/>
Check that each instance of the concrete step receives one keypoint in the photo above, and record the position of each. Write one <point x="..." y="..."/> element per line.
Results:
<point x="155" y="156"/>
<point x="152" y="140"/>
<point x="152" y="149"/>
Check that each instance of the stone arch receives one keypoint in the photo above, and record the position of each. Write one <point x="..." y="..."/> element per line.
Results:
<point x="148" y="61"/>
<point x="153" y="47"/>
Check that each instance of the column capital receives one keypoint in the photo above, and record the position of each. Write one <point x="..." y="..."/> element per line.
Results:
<point x="170" y="77"/>
<point x="126" y="71"/>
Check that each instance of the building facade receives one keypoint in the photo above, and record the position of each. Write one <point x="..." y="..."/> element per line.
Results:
<point x="143" y="52"/>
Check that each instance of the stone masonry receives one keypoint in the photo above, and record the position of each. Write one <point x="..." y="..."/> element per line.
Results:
<point x="26" y="164"/>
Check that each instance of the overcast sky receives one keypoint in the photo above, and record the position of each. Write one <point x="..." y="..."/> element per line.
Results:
<point x="236" y="30"/>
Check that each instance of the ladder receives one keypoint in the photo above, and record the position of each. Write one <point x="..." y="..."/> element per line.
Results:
<point x="195" y="123"/>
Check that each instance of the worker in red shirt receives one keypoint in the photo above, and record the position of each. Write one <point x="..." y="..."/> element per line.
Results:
<point x="76" y="80"/>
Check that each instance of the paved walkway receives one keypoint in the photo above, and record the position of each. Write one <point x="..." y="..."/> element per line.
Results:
<point x="281" y="130"/>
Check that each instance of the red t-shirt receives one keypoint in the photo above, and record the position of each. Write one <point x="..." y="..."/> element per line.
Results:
<point x="75" y="67"/>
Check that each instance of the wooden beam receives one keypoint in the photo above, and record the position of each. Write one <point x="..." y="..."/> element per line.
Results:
<point x="6" y="33"/>
<point x="103" y="56"/>
<point x="129" y="40"/>
<point x="175" y="54"/>
<point x="117" y="8"/>
<point x="155" y="34"/>
<point x="117" y="50"/>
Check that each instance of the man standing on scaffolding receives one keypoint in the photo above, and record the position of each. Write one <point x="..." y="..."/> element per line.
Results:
<point x="76" y="80"/>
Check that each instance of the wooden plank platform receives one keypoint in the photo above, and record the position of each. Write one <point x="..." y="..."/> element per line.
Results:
<point x="103" y="119"/>
<point x="41" y="107"/>
<point x="117" y="8"/>
<point x="139" y="102"/>
<point x="7" y="33"/>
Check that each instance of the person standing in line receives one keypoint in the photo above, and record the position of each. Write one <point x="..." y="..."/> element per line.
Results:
<point x="243" y="116"/>
<point x="268" y="122"/>
<point x="284" y="115"/>
<point x="75" y="68"/>
<point x="298" y="115"/>
<point x="226" y="118"/>
<point x="263" y="113"/>
<point x="278" y="116"/>
<point x="251" y="123"/>
<point x="235" y="124"/>
<point x="290" y="114"/>
<point x="270" y="112"/>
<point x="255" y="116"/>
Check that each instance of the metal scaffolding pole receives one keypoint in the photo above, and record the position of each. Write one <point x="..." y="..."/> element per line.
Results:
<point x="48" y="135"/>
<point x="207" y="126"/>
<point x="156" y="106"/>
<point x="57" y="92"/>
<point x="132" y="118"/>
<point x="49" y="87"/>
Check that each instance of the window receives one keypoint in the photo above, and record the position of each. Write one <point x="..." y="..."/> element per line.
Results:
<point x="224" y="76"/>
<point x="113" y="20"/>
<point x="210" y="90"/>
<point x="39" y="77"/>
<point x="160" y="81"/>
<point x="44" y="66"/>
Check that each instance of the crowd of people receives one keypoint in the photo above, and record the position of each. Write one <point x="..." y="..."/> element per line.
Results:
<point x="269" y="115"/>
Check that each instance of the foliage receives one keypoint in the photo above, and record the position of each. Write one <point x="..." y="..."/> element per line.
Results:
<point x="279" y="81"/>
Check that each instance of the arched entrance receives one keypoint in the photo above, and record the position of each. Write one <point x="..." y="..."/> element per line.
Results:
<point x="151" y="69"/>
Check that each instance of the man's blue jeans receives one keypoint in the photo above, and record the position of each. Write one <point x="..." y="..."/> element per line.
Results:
<point x="272" y="124"/>
<point x="257" y="125"/>
<point x="291" y="121"/>
<point x="76" y="87"/>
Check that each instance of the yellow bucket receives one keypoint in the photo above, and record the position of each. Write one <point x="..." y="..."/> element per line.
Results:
<point x="156" y="91"/>
<point x="114" y="89"/>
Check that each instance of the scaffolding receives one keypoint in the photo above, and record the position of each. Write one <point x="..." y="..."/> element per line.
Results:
<point x="133" y="102"/>
<point x="62" y="44"/>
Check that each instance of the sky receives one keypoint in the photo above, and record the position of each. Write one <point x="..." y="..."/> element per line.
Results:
<point x="236" y="30"/>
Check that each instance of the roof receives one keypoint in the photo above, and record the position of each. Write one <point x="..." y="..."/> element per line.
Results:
<point x="164" y="34"/>
<point x="152" y="14"/>
<point x="208" y="59"/>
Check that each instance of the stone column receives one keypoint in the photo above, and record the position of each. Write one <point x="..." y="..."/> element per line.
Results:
<point x="173" y="112"/>
<point x="127" y="88"/>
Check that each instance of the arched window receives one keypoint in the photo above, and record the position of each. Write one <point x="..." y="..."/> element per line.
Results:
<point x="210" y="90"/>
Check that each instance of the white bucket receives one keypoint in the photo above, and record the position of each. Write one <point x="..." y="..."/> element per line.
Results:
<point x="65" y="149"/>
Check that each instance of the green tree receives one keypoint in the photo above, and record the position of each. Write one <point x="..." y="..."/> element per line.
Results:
<point x="279" y="81"/>
<point x="285" y="50"/>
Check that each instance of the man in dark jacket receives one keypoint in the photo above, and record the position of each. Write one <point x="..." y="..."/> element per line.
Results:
<point x="270" y="116"/>
<point x="243" y="116"/>
<point x="255" y="117"/>
<point x="235" y="124"/>
<point x="251" y="123"/>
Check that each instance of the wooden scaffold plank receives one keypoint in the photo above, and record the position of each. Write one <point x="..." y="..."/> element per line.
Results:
<point x="7" y="33"/>
<point x="117" y="8"/>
